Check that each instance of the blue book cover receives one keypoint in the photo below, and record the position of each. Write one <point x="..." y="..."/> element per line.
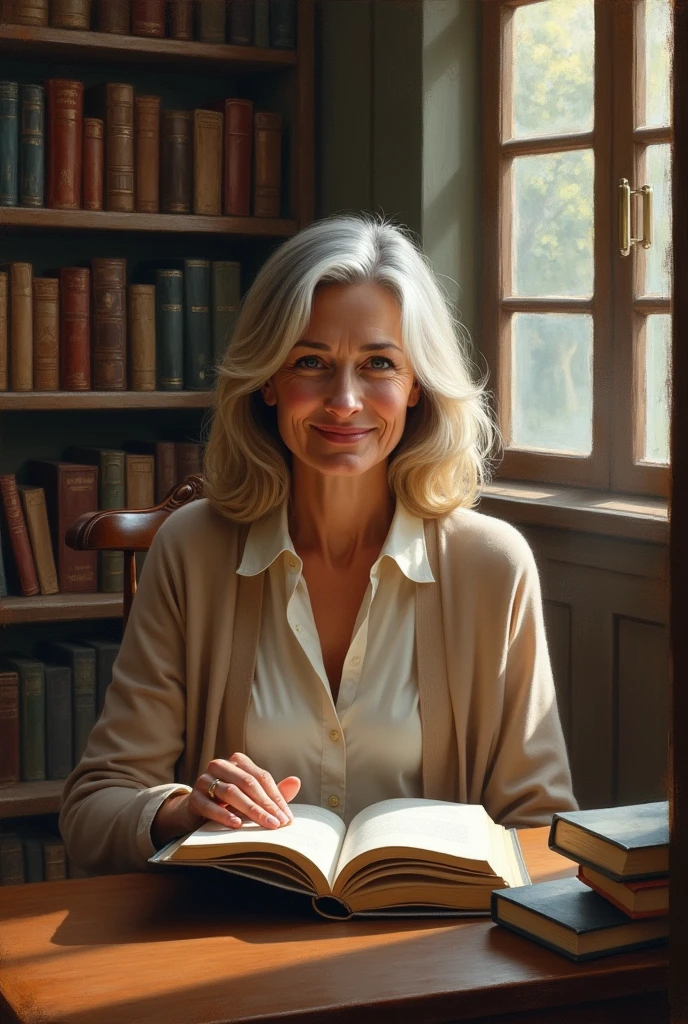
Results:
<point x="624" y="843"/>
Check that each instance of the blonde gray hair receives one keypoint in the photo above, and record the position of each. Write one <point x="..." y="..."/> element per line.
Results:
<point x="439" y="464"/>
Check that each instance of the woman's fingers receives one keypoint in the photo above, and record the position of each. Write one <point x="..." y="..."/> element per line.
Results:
<point x="246" y="789"/>
<point x="260" y="786"/>
<point x="289" y="787"/>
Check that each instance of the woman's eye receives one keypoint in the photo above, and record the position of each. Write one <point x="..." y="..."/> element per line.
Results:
<point x="381" y="363"/>
<point x="308" y="362"/>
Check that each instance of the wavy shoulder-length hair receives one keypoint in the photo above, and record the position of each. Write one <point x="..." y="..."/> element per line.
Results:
<point x="439" y="464"/>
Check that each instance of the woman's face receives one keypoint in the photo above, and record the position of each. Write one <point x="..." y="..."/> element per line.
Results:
<point x="343" y="392"/>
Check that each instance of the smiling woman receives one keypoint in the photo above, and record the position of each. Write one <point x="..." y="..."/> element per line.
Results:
<point x="333" y="619"/>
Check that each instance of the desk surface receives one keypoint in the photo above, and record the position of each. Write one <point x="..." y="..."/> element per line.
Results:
<point x="195" y="947"/>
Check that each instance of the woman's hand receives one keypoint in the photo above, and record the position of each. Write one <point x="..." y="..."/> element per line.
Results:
<point x="244" y="791"/>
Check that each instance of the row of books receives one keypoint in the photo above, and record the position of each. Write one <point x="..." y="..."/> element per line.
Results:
<point x="620" y="898"/>
<point x="49" y="705"/>
<point x="264" y="23"/>
<point x="31" y="853"/>
<point x="87" y="329"/>
<point x="130" y="156"/>
<point x="37" y="514"/>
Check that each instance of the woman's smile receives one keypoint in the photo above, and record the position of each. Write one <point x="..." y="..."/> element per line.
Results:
<point x="343" y="435"/>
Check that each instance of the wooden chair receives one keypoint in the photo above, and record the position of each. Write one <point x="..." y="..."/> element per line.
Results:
<point x="129" y="530"/>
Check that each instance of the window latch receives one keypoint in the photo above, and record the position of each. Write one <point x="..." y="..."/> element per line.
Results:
<point x="625" y="193"/>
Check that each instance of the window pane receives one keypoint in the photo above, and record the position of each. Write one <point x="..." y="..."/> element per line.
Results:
<point x="658" y="256"/>
<point x="554" y="45"/>
<point x="551" y="397"/>
<point x="658" y="49"/>
<point x="657" y="368"/>
<point x="553" y="224"/>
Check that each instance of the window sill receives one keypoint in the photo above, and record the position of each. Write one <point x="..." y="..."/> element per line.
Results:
<point x="632" y="517"/>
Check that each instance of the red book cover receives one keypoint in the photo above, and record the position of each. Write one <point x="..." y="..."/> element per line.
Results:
<point x="109" y="329"/>
<point x="18" y="536"/>
<point x="70" y="490"/>
<point x="65" y="104"/>
<point x="645" y="883"/>
<point x="75" y="335"/>
<point x="148" y="18"/>
<point x="93" y="163"/>
<point x="238" y="156"/>
<point x="267" y="173"/>
<point x="9" y="728"/>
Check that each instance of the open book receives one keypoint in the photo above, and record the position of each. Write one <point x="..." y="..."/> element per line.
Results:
<point x="397" y="856"/>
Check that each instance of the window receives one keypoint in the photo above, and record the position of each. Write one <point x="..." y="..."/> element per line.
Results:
<point x="577" y="98"/>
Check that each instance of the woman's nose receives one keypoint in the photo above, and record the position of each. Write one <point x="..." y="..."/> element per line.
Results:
<point x="344" y="395"/>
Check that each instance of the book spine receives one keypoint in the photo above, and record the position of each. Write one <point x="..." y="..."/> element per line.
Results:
<point x="225" y="296"/>
<point x="93" y="163"/>
<point x="36" y="515"/>
<point x="119" y="147"/>
<point x="70" y="14"/>
<point x="32" y="721"/>
<point x="238" y="153"/>
<point x="111" y="494"/>
<point x="18" y="535"/>
<point x="31" y="12"/>
<point x="65" y="104"/>
<point x="113" y="16"/>
<point x="189" y="459"/>
<point x="11" y="859"/>
<point x="32" y="146"/>
<point x="9" y="143"/>
<point x="33" y="859"/>
<point x="268" y="165"/>
<point x="207" y="171"/>
<point x="165" y="469"/>
<point x="148" y="18"/>
<point x="240" y="22"/>
<point x="58" y="706"/>
<point x="211" y="21"/>
<point x="21" y="327"/>
<point x="54" y="860"/>
<point x="75" y="349"/>
<point x="4" y="333"/>
<point x="176" y="161"/>
<point x="169" y="329"/>
<point x="140" y="477"/>
<point x="181" y="19"/>
<point x="9" y="727"/>
<point x="46" y="371"/>
<point x="109" y="332"/>
<point x="84" y="699"/>
<point x="142" y="337"/>
<point x="147" y="149"/>
<point x="198" y="341"/>
<point x="261" y="23"/>
<point x="283" y="24"/>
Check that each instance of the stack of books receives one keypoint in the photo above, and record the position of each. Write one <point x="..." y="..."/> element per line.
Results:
<point x="620" y="899"/>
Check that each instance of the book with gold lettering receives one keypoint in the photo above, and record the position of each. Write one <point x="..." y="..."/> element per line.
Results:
<point x="401" y="856"/>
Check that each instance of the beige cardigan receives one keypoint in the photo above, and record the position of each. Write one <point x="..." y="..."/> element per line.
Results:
<point x="182" y="681"/>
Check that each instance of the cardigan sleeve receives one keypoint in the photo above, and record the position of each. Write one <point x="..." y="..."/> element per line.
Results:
<point x="128" y="768"/>
<point x="529" y="777"/>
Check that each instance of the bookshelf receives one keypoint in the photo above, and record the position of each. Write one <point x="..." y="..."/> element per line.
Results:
<point x="42" y="424"/>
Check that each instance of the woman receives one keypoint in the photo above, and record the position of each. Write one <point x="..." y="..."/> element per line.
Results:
<point x="331" y="619"/>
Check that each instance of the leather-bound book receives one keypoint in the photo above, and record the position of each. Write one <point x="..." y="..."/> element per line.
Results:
<point x="181" y="19"/>
<point x="93" y="163"/>
<point x="11" y="859"/>
<point x="46" y="334"/>
<point x="70" y="490"/>
<point x="140" y="480"/>
<point x="4" y="335"/>
<point x="198" y="339"/>
<point x="207" y="172"/>
<point x="106" y="653"/>
<point x="113" y="17"/>
<point x="148" y="18"/>
<point x="111" y="494"/>
<point x="142" y="337"/>
<point x="18" y="536"/>
<point x="268" y="165"/>
<point x="31" y="715"/>
<point x="70" y="14"/>
<point x="211" y="18"/>
<point x="225" y="296"/>
<point x="283" y="24"/>
<point x="9" y="728"/>
<point x="54" y="859"/>
<point x="261" y="23"/>
<point x="82" y="662"/>
<point x="36" y="516"/>
<point x="31" y="12"/>
<point x="165" y="461"/>
<point x="113" y="102"/>
<point x="32" y="146"/>
<point x="176" y="160"/>
<point x="147" y="150"/>
<point x="65" y="109"/>
<point x="58" y="732"/>
<point x="238" y="148"/>
<point x="189" y="459"/>
<point x="9" y="143"/>
<point x="109" y="329"/>
<point x="20" y="325"/>
<point x="240" y="22"/>
<point x="75" y="329"/>
<point x="169" y="329"/>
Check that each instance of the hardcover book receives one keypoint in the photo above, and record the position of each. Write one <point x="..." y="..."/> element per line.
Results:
<point x="624" y="843"/>
<point x="225" y="296"/>
<point x="74" y="14"/>
<point x="11" y="859"/>
<point x="207" y="173"/>
<point x="240" y="22"/>
<point x="111" y="495"/>
<point x="148" y="18"/>
<point x="31" y="715"/>
<point x="165" y="462"/>
<point x="169" y="329"/>
<point x="9" y="143"/>
<point x="142" y="337"/>
<point x="181" y="19"/>
<point x="106" y="653"/>
<point x="69" y="492"/>
<point x="58" y="706"/>
<point x="188" y="459"/>
<point x="147" y="149"/>
<point x="36" y="515"/>
<point x="568" y="917"/>
<point x="648" y="897"/>
<point x="65" y="121"/>
<point x="261" y="23"/>
<point x="267" y="165"/>
<point x="46" y="334"/>
<point x="31" y="145"/>
<point x="175" y="143"/>
<point x="30" y="12"/>
<point x="81" y="661"/>
<point x="75" y="329"/>
<point x="109" y="331"/>
<point x="398" y="856"/>
<point x="93" y="162"/>
<point x="9" y="727"/>
<point x="211" y="17"/>
<point x="238" y="144"/>
<point x="4" y="340"/>
<point x="20" y="325"/>
<point x="113" y="16"/>
<point x="113" y="103"/>
<point x="283" y="24"/>
<point x="17" y="533"/>
<point x="198" y="339"/>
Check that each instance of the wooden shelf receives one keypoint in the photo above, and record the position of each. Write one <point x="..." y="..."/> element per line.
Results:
<point x="54" y="400"/>
<point x="60" y="608"/>
<point x="19" y="218"/>
<point x="30" y="798"/>
<point x="76" y="47"/>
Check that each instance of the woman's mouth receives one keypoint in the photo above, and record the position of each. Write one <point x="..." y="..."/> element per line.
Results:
<point x="343" y="435"/>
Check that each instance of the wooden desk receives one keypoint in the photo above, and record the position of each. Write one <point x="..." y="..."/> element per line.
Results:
<point x="193" y="947"/>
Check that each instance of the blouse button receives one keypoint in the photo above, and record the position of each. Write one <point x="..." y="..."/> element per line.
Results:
<point x="334" y="801"/>
<point x="292" y="563"/>
<point x="356" y="660"/>
<point x="334" y="735"/>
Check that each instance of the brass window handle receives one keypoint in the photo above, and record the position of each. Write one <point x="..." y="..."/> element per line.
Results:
<point x="625" y="193"/>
